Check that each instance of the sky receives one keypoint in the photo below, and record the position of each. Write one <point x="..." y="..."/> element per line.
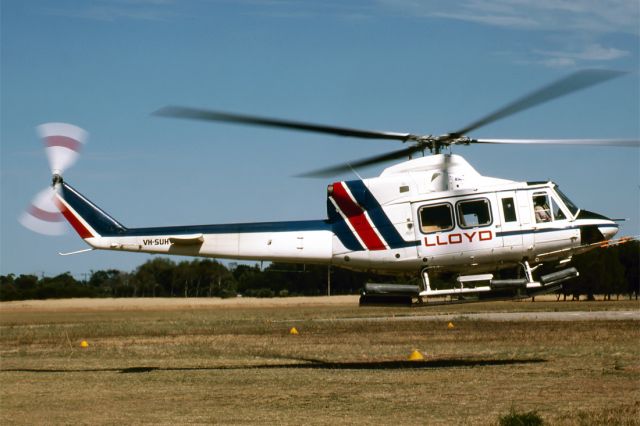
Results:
<point x="425" y="67"/>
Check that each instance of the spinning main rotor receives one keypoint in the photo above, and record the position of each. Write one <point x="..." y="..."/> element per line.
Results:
<point x="63" y="142"/>
<point x="417" y="143"/>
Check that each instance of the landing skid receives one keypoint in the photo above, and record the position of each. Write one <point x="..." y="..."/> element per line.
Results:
<point x="467" y="289"/>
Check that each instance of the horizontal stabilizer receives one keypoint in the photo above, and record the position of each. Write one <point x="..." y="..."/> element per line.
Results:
<point x="187" y="240"/>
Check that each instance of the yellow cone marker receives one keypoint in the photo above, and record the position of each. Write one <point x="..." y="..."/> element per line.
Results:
<point x="84" y="344"/>
<point x="416" y="356"/>
<point x="450" y="326"/>
<point x="293" y="330"/>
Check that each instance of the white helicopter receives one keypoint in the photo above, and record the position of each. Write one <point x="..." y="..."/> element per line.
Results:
<point x="424" y="216"/>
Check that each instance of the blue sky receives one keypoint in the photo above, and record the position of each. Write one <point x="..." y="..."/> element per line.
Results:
<point x="394" y="65"/>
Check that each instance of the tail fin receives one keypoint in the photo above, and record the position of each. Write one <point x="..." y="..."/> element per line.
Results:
<point x="87" y="219"/>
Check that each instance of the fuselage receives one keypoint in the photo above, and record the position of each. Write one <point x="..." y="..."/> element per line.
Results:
<point x="435" y="212"/>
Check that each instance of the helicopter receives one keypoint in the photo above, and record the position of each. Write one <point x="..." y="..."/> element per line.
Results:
<point x="422" y="217"/>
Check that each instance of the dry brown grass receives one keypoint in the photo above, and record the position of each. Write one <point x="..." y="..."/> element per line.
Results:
<point x="237" y="364"/>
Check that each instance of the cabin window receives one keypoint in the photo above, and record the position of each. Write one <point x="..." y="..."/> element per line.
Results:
<point x="436" y="218"/>
<point x="509" y="210"/>
<point x="541" y="207"/>
<point x="474" y="213"/>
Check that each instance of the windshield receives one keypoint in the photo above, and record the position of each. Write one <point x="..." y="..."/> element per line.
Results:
<point x="567" y="202"/>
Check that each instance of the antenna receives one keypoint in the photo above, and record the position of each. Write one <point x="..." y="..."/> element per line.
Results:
<point x="355" y="172"/>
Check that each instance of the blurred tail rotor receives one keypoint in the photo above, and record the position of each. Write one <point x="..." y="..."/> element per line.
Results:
<point x="63" y="143"/>
<point x="43" y="216"/>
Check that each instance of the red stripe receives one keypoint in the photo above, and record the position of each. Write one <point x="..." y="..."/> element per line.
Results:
<point x="45" y="215"/>
<point x="356" y="217"/>
<point x="62" y="141"/>
<point x="77" y="225"/>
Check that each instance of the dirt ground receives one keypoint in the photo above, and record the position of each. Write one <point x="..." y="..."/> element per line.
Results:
<point x="234" y="361"/>
<point x="111" y="304"/>
<point x="158" y="303"/>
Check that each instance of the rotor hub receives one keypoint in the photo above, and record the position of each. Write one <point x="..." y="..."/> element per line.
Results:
<point x="56" y="179"/>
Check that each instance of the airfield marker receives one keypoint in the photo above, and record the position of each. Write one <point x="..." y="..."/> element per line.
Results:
<point x="293" y="331"/>
<point x="450" y="326"/>
<point x="84" y="344"/>
<point x="416" y="356"/>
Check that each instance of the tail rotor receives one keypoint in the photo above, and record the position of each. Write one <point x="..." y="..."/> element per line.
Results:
<point x="63" y="143"/>
<point x="43" y="216"/>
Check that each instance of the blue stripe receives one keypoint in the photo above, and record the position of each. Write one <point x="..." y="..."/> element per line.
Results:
<point x="234" y="228"/>
<point x="341" y="229"/>
<point x="545" y="230"/>
<point x="528" y="231"/>
<point x="380" y="220"/>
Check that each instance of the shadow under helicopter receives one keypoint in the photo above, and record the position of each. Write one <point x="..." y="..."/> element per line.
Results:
<point x="310" y="364"/>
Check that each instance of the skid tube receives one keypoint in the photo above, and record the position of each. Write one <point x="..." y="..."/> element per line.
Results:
<point x="465" y="290"/>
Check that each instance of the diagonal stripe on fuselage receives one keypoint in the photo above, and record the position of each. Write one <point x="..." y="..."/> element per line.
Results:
<point x="380" y="220"/>
<point x="357" y="218"/>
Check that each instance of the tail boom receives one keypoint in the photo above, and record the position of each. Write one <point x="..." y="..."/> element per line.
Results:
<point x="293" y="246"/>
<point x="299" y="241"/>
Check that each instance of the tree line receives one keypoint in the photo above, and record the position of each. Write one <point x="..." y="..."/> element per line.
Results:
<point x="162" y="277"/>
<point x="610" y="271"/>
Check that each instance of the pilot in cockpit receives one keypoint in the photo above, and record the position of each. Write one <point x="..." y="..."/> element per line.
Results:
<point x="541" y="208"/>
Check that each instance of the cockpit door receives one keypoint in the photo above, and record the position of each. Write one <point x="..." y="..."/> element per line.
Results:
<point x="509" y="227"/>
<point x="552" y="226"/>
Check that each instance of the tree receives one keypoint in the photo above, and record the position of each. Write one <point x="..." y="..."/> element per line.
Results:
<point x="110" y="283"/>
<point x="154" y="278"/>
<point x="250" y="279"/>
<point x="8" y="289"/>
<point x="629" y="255"/>
<point x="610" y="270"/>
<point x="62" y="286"/>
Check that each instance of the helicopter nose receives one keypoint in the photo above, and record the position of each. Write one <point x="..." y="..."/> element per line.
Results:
<point x="608" y="229"/>
<point x="596" y="227"/>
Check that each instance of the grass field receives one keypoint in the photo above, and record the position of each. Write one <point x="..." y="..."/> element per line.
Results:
<point x="235" y="362"/>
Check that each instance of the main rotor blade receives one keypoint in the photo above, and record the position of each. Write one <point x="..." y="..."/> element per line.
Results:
<point x="207" y="115"/>
<point x="341" y="168"/>
<point x="592" y="142"/>
<point x="571" y="83"/>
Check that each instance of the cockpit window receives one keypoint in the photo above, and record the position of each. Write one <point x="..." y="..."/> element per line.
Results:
<point x="557" y="211"/>
<point x="541" y="207"/>
<point x="567" y="202"/>
<point x="546" y="208"/>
